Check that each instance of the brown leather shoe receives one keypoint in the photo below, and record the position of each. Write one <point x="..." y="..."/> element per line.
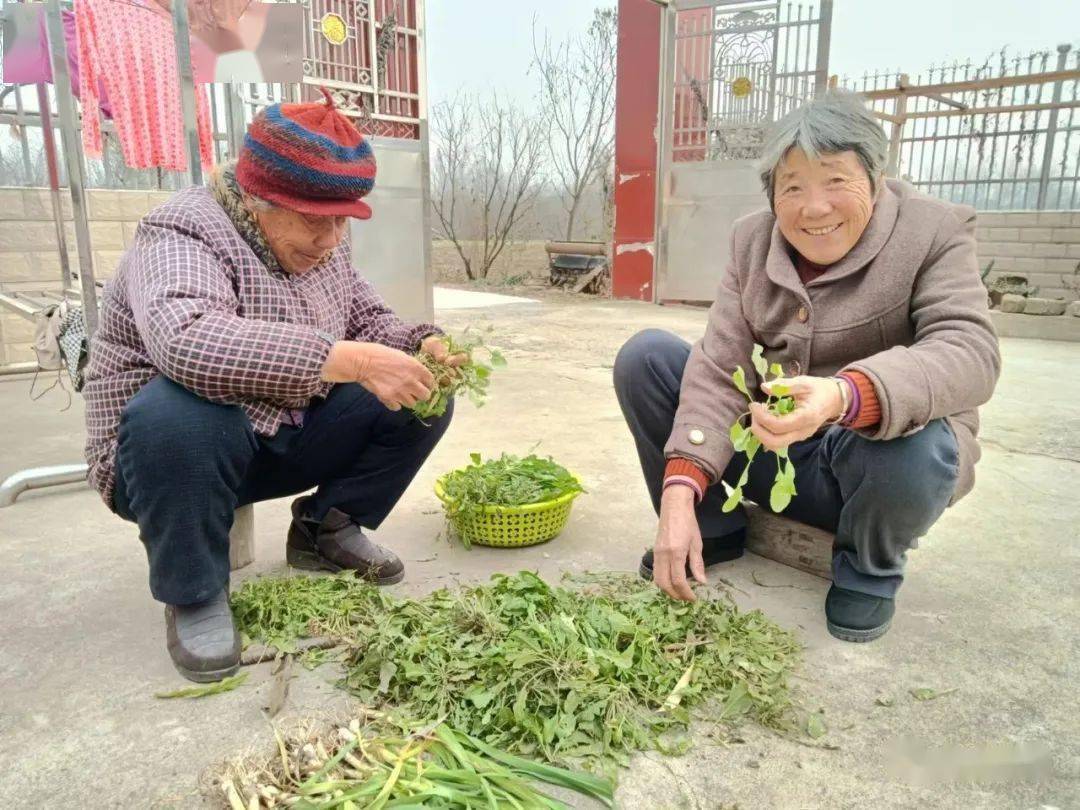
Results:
<point x="338" y="544"/>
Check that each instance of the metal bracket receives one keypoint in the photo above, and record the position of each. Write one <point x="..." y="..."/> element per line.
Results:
<point x="39" y="478"/>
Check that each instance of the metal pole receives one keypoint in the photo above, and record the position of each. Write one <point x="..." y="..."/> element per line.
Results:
<point x="187" y="88"/>
<point x="425" y="153"/>
<point x="73" y="158"/>
<point x="54" y="181"/>
<point x="665" y="123"/>
<point x="821" y="79"/>
<point x="1051" y="132"/>
<point x="895" y="138"/>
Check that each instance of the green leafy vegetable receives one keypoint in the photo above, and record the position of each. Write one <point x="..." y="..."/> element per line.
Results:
<point x="505" y="481"/>
<point x="924" y="693"/>
<point x="564" y="674"/>
<point x="225" y="685"/>
<point x="472" y="377"/>
<point x="744" y="440"/>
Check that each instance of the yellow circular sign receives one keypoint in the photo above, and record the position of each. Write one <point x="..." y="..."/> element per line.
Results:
<point x="741" y="87"/>
<point x="334" y="29"/>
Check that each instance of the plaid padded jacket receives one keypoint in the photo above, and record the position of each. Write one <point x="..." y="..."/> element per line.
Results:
<point x="191" y="300"/>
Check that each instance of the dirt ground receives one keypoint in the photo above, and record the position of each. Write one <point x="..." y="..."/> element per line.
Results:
<point x="989" y="608"/>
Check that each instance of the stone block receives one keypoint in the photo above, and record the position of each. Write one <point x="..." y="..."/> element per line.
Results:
<point x="1076" y="219"/>
<point x="1003" y="234"/>
<point x="991" y="219"/>
<point x="21" y="236"/>
<point x="47" y="264"/>
<point x="18" y="329"/>
<point x="1057" y="219"/>
<point x="106" y="235"/>
<point x="134" y="204"/>
<point x="1063" y="266"/>
<point x="1066" y="235"/>
<point x="242" y="538"/>
<point x="1043" y="306"/>
<point x="21" y="353"/>
<point x="1074" y="309"/>
<point x="156" y="198"/>
<point x="1050" y="250"/>
<point x="1074" y="251"/>
<point x="37" y="203"/>
<point x="1013" y="303"/>
<point x="17" y="267"/>
<point x="11" y="204"/>
<point x="1035" y="234"/>
<point x="129" y="233"/>
<point x="104" y="204"/>
<point x="1015" y="249"/>
<point x="106" y="262"/>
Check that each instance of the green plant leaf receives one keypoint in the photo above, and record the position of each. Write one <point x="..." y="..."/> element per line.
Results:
<point x="761" y="365"/>
<point x="776" y="370"/>
<point x="779" y="497"/>
<point x="224" y="685"/>
<point x="739" y="378"/>
<point x="733" y="500"/>
<point x="497" y="359"/>
<point x="925" y="693"/>
<point x="475" y="458"/>
<point x="736" y="434"/>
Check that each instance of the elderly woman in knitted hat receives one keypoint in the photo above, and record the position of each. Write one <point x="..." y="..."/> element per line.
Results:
<point x="867" y="293"/>
<point x="242" y="357"/>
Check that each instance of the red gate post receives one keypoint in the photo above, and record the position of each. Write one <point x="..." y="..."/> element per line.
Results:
<point x="636" y="100"/>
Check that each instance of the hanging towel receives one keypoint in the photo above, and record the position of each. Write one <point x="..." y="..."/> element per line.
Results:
<point x="132" y="52"/>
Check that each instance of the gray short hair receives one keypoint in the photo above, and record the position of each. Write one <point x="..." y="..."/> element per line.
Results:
<point x="837" y="121"/>
<point x="258" y="203"/>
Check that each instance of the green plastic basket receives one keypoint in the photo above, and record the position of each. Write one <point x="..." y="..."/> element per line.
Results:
<point x="512" y="526"/>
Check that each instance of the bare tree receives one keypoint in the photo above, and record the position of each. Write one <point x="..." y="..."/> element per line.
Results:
<point x="577" y="90"/>
<point x="486" y="175"/>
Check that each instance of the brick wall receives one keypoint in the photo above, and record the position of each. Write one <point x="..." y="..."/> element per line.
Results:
<point x="29" y="258"/>
<point x="1043" y="246"/>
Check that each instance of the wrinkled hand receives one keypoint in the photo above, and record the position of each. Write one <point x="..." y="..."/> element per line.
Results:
<point x="678" y="539"/>
<point x="436" y="347"/>
<point x="817" y="400"/>
<point x="395" y="378"/>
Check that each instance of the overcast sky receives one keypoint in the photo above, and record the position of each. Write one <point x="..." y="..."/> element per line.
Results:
<point x="481" y="44"/>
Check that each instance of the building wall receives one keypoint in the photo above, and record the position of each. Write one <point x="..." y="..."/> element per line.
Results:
<point x="29" y="258"/>
<point x="1043" y="246"/>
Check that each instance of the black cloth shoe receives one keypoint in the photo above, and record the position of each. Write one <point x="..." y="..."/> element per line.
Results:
<point x="337" y="544"/>
<point x="854" y="616"/>
<point x="713" y="550"/>
<point x="203" y="643"/>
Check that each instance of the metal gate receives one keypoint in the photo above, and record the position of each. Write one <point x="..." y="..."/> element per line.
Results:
<point x="729" y="68"/>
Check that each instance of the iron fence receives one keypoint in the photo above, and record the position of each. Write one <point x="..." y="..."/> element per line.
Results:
<point x="740" y="65"/>
<point x="1003" y="134"/>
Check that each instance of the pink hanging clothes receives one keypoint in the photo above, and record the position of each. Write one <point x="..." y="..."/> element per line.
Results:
<point x="131" y="50"/>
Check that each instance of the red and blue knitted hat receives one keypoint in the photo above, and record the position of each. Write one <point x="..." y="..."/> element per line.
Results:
<point x="308" y="158"/>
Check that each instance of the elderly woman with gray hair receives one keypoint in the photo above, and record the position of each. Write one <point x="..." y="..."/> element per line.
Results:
<point x="868" y="294"/>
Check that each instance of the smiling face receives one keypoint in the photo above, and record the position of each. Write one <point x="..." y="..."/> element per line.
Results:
<point x="299" y="241"/>
<point x="822" y="204"/>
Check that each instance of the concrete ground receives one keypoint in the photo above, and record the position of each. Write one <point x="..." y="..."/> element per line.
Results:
<point x="989" y="610"/>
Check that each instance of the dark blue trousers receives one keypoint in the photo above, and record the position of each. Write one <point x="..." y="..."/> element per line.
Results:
<point x="878" y="497"/>
<point x="185" y="464"/>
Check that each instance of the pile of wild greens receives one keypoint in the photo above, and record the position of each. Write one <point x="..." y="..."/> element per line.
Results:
<point x="470" y="378"/>
<point x="587" y="674"/>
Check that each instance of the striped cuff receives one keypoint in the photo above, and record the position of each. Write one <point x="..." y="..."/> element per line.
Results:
<point x="683" y="471"/>
<point x="867" y="410"/>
